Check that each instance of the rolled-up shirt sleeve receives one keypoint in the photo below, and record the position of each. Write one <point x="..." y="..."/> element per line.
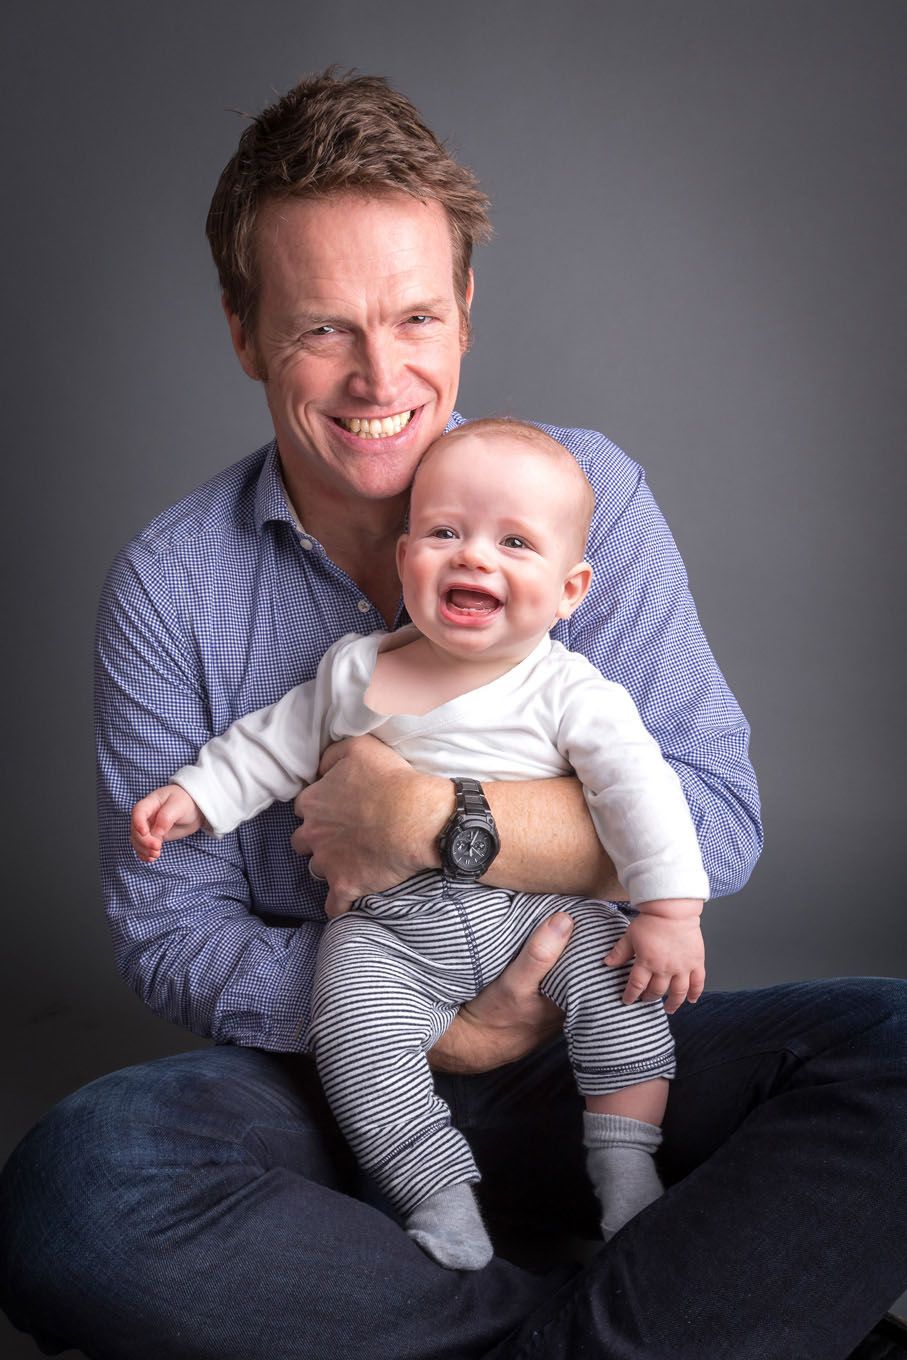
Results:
<point x="640" y="627"/>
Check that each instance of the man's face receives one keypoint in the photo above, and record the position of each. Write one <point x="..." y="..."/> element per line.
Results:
<point x="489" y="562"/>
<point x="358" y="340"/>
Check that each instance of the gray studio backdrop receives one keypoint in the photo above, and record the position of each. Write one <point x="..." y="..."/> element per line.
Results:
<point x="699" y="213"/>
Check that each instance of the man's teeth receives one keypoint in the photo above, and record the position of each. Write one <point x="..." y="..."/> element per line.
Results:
<point x="376" y="428"/>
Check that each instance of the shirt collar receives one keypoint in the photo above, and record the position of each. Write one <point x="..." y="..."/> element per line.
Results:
<point x="271" y="499"/>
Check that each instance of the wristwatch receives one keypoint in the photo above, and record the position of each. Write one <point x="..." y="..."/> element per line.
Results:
<point x="469" y="842"/>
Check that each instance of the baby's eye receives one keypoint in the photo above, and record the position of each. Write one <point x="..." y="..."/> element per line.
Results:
<point x="442" y="532"/>
<point x="514" y="541"/>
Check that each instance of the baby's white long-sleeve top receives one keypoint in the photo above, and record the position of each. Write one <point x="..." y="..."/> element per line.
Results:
<point x="552" y="713"/>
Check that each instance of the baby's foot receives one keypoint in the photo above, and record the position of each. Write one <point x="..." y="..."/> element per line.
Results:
<point x="449" y="1228"/>
<point x="621" y="1165"/>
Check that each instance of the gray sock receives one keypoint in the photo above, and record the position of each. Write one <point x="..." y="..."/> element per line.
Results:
<point x="621" y="1166"/>
<point x="449" y="1227"/>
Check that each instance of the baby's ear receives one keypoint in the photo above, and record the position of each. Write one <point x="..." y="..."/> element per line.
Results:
<point x="576" y="586"/>
<point x="402" y="545"/>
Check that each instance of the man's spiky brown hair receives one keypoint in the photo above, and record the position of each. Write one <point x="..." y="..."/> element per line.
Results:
<point x="331" y="133"/>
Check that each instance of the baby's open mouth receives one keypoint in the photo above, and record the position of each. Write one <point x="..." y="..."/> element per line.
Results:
<point x="471" y="601"/>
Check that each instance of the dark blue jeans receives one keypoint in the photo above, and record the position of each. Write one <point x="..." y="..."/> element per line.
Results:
<point x="205" y="1207"/>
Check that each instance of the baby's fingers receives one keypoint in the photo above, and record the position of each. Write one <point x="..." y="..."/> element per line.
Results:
<point x="163" y="820"/>
<point x="658" y="985"/>
<point x="146" y="846"/>
<point x="637" y="984"/>
<point x="678" y="991"/>
<point x="685" y="987"/>
<point x="697" y="985"/>
<point x="620" y="953"/>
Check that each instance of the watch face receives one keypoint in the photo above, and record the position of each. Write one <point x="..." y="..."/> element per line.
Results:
<point x="471" y="850"/>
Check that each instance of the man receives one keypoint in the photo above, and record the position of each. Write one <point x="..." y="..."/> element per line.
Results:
<point x="206" y="1205"/>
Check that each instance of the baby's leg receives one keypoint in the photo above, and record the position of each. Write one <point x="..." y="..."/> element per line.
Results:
<point x="374" y="1020"/>
<point x="622" y="1057"/>
<point x="622" y="1133"/>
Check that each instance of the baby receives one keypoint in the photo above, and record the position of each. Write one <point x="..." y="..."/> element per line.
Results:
<point x="476" y="688"/>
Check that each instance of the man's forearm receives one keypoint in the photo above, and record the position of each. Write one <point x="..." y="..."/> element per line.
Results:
<point x="548" y="841"/>
<point x="371" y="822"/>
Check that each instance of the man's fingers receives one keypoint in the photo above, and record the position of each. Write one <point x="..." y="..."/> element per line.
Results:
<point x="335" y="905"/>
<point x="368" y="750"/>
<point x="331" y="754"/>
<point x="298" y="840"/>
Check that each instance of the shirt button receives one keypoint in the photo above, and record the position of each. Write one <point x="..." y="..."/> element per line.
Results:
<point x="306" y="543"/>
<point x="364" y="606"/>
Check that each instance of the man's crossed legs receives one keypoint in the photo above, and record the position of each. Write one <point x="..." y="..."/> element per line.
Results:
<point x="206" y="1206"/>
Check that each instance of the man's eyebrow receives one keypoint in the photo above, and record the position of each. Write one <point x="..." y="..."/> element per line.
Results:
<point x="435" y="304"/>
<point x="315" y="317"/>
<point x="302" y="320"/>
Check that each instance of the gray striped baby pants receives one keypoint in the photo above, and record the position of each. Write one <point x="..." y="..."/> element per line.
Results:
<point x="391" y="976"/>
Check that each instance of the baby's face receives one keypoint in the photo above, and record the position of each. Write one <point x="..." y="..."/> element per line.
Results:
<point x="490" y="561"/>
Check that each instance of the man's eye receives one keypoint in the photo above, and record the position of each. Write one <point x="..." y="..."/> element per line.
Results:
<point x="419" y="319"/>
<point x="514" y="541"/>
<point x="321" y="330"/>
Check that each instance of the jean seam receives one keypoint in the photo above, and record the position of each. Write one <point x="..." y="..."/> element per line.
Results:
<point x="773" y="1051"/>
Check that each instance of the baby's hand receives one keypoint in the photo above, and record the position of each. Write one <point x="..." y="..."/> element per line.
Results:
<point x="666" y="940"/>
<point x="167" y="814"/>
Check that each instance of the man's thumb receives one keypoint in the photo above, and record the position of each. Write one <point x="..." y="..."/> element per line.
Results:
<point x="334" y="905"/>
<point x="544" y="947"/>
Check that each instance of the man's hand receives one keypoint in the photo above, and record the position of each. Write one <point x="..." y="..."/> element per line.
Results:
<point x="367" y="819"/>
<point x="167" y="814"/>
<point x="666" y="939"/>
<point x="510" y="1018"/>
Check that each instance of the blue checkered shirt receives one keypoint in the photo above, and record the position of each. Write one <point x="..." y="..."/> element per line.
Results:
<point x="223" y="604"/>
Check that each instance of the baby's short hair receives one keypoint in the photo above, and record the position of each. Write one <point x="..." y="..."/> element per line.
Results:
<point x="535" y="438"/>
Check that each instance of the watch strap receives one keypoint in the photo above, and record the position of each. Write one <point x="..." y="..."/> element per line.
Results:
<point x="471" y="800"/>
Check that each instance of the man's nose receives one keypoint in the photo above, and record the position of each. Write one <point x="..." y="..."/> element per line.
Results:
<point x="377" y="374"/>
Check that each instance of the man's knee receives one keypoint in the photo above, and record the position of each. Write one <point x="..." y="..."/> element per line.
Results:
<point x="864" y="1031"/>
<point x="50" y="1205"/>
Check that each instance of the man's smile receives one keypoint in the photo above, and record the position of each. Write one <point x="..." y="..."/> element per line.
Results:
<point x="375" y="427"/>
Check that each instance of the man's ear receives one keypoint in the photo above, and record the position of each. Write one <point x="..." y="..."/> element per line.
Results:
<point x="243" y="344"/>
<point x="464" y="320"/>
<point x="576" y="586"/>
